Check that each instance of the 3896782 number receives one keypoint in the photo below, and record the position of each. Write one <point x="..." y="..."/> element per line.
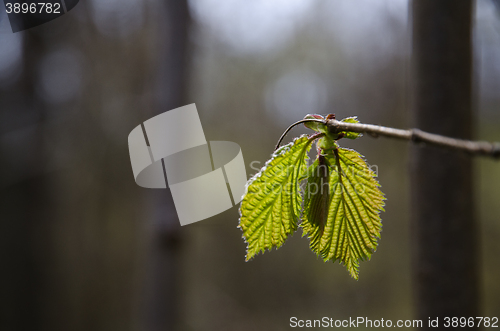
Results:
<point x="33" y="8"/>
<point x="464" y="322"/>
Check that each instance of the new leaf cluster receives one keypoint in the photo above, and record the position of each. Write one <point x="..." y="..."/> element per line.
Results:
<point x="339" y="210"/>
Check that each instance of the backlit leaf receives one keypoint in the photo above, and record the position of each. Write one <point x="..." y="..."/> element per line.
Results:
<point x="272" y="202"/>
<point x="353" y="224"/>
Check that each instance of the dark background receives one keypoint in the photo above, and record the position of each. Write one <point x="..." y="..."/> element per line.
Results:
<point x="82" y="247"/>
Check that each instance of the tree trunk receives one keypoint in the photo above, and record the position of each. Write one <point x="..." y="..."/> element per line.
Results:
<point x="25" y="200"/>
<point x="162" y="299"/>
<point x="445" y="257"/>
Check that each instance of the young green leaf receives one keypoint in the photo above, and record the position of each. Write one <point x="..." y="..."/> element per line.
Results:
<point x="317" y="198"/>
<point x="351" y="135"/>
<point x="353" y="223"/>
<point x="271" y="205"/>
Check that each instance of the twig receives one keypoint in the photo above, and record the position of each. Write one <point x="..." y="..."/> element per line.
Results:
<point x="418" y="136"/>
<point x="295" y="124"/>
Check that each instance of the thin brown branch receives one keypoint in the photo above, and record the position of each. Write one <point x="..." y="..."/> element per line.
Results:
<point x="293" y="125"/>
<point x="418" y="136"/>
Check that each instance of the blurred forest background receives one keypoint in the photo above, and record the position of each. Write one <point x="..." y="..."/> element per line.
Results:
<point x="82" y="247"/>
